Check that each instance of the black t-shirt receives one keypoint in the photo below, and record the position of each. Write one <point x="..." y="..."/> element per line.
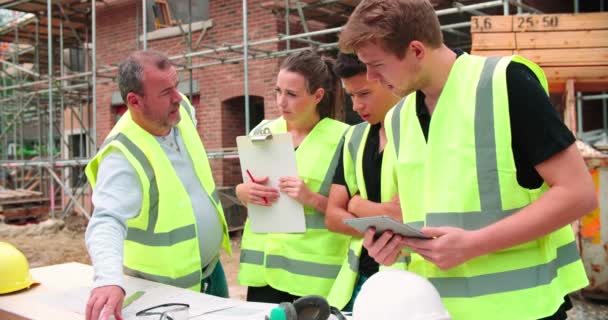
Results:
<point x="372" y="165"/>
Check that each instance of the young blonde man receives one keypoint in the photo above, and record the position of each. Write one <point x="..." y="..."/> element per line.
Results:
<point x="484" y="164"/>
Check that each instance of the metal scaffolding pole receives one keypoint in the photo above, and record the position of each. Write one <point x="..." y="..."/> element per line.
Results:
<point x="93" y="125"/>
<point x="191" y="94"/>
<point x="50" y="99"/>
<point x="144" y="26"/>
<point x="246" y="66"/>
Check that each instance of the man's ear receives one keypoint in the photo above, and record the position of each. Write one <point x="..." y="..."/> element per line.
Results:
<point x="319" y="95"/>
<point x="417" y="48"/>
<point x="134" y="101"/>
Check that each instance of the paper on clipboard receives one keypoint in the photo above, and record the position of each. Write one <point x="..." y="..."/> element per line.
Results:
<point x="384" y="223"/>
<point x="271" y="155"/>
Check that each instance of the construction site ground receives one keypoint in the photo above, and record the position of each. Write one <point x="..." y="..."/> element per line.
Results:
<point x="59" y="241"/>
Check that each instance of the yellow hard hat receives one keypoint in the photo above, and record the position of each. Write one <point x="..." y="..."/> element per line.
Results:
<point x="14" y="269"/>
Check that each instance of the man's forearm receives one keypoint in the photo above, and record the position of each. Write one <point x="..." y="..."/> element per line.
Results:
<point x="104" y="239"/>
<point x="337" y="211"/>
<point x="337" y="224"/>
<point x="367" y="208"/>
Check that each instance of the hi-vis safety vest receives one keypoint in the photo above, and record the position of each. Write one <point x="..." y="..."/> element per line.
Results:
<point x="353" y="150"/>
<point x="162" y="241"/>
<point x="465" y="177"/>
<point x="300" y="263"/>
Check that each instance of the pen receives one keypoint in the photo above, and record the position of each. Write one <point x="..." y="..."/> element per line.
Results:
<point x="253" y="180"/>
<point x="132" y="298"/>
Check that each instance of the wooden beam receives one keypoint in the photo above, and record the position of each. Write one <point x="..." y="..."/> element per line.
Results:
<point x="561" y="22"/>
<point x="543" y="22"/>
<point x="583" y="86"/>
<point x="492" y="53"/>
<point x="491" y="24"/>
<point x="493" y="41"/>
<point x="570" y="107"/>
<point x="540" y="40"/>
<point x="588" y="79"/>
<point x="567" y="57"/>
<point x="563" y="39"/>
<point x="580" y="73"/>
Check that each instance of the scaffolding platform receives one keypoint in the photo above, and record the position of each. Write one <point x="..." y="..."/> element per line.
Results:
<point x="22" y="205"/>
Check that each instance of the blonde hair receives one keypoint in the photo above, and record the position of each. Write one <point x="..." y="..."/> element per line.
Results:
<point x="392" y="24"/>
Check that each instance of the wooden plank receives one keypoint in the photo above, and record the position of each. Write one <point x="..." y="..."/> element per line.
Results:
<point x="24" y="213"/>
<point x="570" y="109"/>
<point x="11" y="316"/>
<point x="547" y="40"/>
<point x="492" y="53"/>
<point x="583" y="86"/>
<point x="579" y="73"/>
<point x="561" y="22"/>
<point x="567" y="57"/>
<point x="491" y="24"/>
<point x="493" y="41"/>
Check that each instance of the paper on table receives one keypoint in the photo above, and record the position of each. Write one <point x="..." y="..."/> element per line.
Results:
<point x="199" y="303"/>
<point x="249" y="310"/>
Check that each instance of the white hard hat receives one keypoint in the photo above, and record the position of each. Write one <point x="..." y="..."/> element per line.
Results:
<point x="398" y="294"/>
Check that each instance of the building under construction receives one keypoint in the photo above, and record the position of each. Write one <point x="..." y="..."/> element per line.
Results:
<point x="58" y="99"/>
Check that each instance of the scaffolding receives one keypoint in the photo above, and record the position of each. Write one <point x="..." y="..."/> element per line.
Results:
<point x="49" y="76"/>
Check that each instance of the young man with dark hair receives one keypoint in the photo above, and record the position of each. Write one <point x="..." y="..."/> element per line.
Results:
<point x="355" y="191"/>
<point x="483" y="162"/>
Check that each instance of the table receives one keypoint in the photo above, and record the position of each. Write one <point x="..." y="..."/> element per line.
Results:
<point x="64" y="290"/>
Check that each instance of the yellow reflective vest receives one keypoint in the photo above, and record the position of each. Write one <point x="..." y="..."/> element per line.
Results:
<point x="465" y="177"/>
<point x="352" y="158"/>
<point x="300" y="263"/>
<point x="162" y="241"/>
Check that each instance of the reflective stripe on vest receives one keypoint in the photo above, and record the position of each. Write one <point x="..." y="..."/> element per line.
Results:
<point x="354" y="143"/>
<point x="186" y="281"/>
<point x="508" y="280"/>
<point x="293" y="266"/>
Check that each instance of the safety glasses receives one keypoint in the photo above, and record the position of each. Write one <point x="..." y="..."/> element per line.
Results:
<point x="167" y="311"/>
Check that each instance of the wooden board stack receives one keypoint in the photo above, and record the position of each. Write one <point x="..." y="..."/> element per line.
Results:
<point x="566" y="46"/>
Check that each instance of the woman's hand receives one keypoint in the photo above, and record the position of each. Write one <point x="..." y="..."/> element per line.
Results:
<point x="257" y="193"/>
<point x="295" y="188"/>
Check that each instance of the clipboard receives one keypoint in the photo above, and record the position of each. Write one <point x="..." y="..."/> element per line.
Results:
<point x="385" y="223"/>
<point x="272" y="155"/>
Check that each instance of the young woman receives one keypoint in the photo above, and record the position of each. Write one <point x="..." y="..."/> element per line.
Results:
<point x="281" y="267"/>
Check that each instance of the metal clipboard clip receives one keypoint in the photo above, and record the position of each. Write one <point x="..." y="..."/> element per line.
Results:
<point x="262" y="135"/>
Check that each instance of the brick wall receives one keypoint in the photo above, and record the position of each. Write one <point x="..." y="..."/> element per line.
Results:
<point x="116" y="35"/>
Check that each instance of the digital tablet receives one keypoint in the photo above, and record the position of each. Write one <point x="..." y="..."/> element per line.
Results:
<point x="384" y="223"/>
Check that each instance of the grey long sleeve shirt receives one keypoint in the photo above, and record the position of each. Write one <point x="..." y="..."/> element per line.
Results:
<point x="117" y="197"/>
